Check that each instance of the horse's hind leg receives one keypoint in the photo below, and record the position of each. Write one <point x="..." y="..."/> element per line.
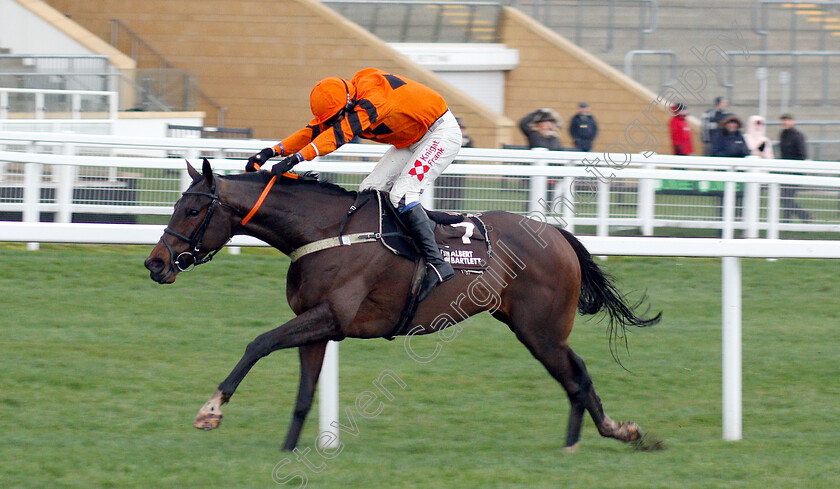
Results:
<point x="569" y="370"/>
<point x="586" y="398"/>
<point x="311" y="361"/>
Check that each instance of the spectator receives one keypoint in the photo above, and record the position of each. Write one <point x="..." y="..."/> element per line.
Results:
<point x="466" y="140"/>
<point x="680" y="131"/>
<point x="792" y="147"/>
<point x="542" y="128"/>
<point x="711" y="122"/>
<point x="791" y="141"/>
<point x="756" y="138"/>
<point x="728" y="141"/>
<point x="583" y="128"/>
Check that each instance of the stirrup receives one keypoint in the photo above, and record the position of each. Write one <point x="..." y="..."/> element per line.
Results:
<point x="432" y="279"/>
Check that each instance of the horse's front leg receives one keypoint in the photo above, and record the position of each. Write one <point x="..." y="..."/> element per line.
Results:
<point x="313" y="326"/>
<point x="311" y="361"/>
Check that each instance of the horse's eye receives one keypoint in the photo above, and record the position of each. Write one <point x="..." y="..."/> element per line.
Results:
<point x="193" y="212"/>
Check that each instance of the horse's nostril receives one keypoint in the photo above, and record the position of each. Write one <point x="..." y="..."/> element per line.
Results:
<point x="154" y="264"/>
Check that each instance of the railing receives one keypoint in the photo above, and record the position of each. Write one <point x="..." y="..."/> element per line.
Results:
<point x="794" y="77"/>
<point x="181" y="131"/>
<point x="647" y="193"/>
<point x="157" y="76"/>
<point x="556" y="15"/>
<point x="424" y="21"/>
<point x="664" y="80"/>
<point x="59" y="72"/>
<point x="86" y="72"/>
<point x="90" y="112"/>
<point x="39" y="103"/>
<point x="762" y="26"/>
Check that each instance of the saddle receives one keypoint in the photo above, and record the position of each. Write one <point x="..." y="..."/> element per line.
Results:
<point x="462" y="238"/>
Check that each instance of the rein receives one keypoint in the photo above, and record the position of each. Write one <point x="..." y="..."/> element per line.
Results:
<point x="262" y="197"/>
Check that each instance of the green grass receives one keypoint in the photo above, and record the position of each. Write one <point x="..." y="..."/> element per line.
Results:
<point x="103" y="371"/>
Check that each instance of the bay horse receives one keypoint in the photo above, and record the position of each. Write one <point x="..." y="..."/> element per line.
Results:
<point x="535" y="282"/>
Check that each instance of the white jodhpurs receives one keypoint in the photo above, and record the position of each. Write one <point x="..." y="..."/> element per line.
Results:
<point x="406" y="172"/>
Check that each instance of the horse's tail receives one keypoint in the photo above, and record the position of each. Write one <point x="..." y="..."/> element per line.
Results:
<point x="599" y="293"/>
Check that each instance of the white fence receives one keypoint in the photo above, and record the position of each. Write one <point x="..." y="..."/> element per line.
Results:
<point x="45" y="110"/>
<point x="78" y="161"/>
<point x="57" y="173"/>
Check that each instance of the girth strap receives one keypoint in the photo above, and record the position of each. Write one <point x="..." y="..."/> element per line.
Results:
<point x="334" y="242"/>
<point x="347" y="239"/>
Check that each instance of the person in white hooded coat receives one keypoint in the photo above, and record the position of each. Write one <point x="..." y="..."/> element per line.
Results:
<point x="756" y="138"/>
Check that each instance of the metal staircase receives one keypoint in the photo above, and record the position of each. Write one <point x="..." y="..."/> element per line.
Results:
<point x="161" y="84"/>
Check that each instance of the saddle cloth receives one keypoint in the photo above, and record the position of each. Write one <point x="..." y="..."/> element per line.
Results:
<point x="462" y="238"/>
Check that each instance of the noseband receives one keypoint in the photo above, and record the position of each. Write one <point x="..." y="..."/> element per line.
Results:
<point x="187" y="260"/>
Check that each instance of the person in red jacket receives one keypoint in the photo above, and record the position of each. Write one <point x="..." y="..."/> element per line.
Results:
<point x="391" y="109"/>
<point x="680" y="131"/>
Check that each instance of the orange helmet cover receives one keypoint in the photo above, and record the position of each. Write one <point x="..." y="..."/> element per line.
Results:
<point x="328" y="97"/>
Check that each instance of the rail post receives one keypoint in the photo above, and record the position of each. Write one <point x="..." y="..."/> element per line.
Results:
<point x="646" y="203"/>
<point x="538" y="186"/>
<point x="31" y="195"/>
<point x="731" y="348"/>
<point x="65" y="176"/>
<point x="728" y="231"/>
<point x="752" y="203"/>
<point x="328" y="397"/>
<point x="773" y="196"/>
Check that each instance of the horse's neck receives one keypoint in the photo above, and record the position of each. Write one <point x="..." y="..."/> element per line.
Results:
<point x="292" y="215"/>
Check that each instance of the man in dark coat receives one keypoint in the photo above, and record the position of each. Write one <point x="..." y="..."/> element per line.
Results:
<point x="792" y="147"/>
<point x="583" y="128"/>
<point x="711" y="123"/>
<point x="728" y="141"/>
<point x="542" y="128"/>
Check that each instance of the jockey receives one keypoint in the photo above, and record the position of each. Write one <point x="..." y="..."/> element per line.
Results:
<point x="390" y="109"/>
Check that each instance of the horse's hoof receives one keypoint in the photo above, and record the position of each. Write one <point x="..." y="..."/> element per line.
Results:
<point x="210" y="415"/>
<point x="628" y="432"/>
<point x="208" y="421"/>
<point x="572" y="448"/>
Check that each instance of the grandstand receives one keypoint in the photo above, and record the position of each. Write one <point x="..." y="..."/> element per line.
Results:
<point x="190" y="61"/>
<point x="661" y="42"/>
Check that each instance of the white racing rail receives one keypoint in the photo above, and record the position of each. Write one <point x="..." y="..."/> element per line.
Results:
<point x="571" y="188"/>
<point x="539" y="167"/>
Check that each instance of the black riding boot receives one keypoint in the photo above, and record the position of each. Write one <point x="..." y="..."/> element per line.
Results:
<point x="437" y="270"/>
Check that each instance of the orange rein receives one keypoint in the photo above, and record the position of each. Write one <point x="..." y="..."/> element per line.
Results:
<point x="263" y="195"/>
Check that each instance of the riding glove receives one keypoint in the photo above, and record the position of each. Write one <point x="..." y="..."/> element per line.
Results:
<point x="286" y="164"/>
<point x="259" y="159"/>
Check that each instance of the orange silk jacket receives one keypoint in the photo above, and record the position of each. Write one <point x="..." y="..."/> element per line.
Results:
<point x="389" y="109"/>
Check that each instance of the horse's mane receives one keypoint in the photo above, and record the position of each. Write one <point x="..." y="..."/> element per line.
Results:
<point x="264" y="176"/>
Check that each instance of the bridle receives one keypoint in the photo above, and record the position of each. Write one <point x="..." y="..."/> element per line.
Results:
<point x="187" y="260"/>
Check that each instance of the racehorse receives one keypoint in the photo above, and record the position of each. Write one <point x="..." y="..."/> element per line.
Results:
<point x="536" y="280"/>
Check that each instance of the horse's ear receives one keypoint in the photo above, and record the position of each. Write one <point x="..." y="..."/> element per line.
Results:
<point x="207" y="171"/>
<point x="192" y="171"/>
